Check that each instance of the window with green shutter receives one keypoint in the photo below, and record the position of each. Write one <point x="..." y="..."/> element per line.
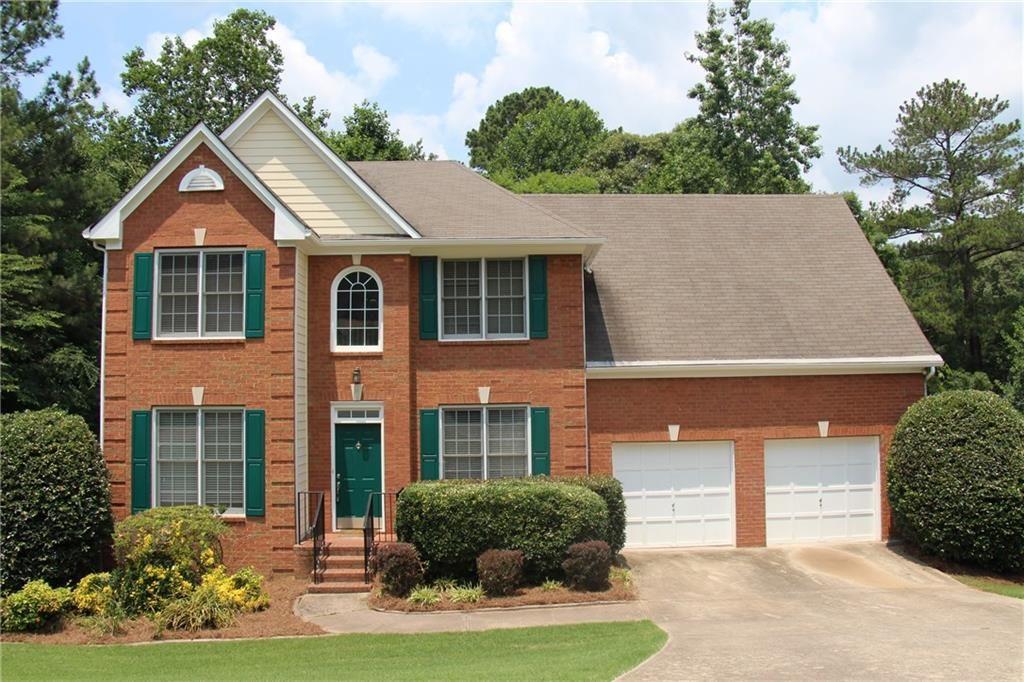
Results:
<point x="429" y="445"/>
<point x="538" y="297"/>
<point x="255" y="283"/>
<point x="540" y="441"/>
<point x="142" y="296"/>
<point x="141" y="452"/>
<point x="428" y="297"/>
<point x="255" y="466"/>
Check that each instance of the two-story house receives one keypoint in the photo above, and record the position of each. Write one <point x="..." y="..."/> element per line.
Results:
<point x="279" y="321"/>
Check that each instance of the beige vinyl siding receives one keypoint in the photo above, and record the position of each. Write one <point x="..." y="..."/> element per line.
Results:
<point x="301" y="384"/>
<point x="314" y="190"/>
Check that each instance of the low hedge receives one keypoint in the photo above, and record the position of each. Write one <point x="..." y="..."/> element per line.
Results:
<point x="610" y="490"/>
<point x="956" y="478"/>
<point x="452" y="522"/>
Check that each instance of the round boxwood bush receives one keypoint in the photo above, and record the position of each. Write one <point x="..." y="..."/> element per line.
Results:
<point x="451" y="523"/>
<point x="956" y="478"/>
<point x="55" y="499"/>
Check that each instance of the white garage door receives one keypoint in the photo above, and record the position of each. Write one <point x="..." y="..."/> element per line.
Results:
<point x="677" y="494"/>
<point x="821" y="489"/>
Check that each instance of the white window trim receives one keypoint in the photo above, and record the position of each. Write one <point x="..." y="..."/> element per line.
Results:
<point x="335" y="419"/>
<point x="483" y="434"/>
<point x="155" y="480"/>
<point x="201" y="333"/>
<point x="483" y="335"/>
<point x="379" y="346"/>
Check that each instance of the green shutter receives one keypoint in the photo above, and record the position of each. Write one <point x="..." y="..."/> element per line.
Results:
<point x="141" y="457"/>
<point x="428" y="297"/>
<point x="255" y="479"/>
<point x="142" y="303"/>
<point x="255" y="283"/>
<point x="538" y="297"/>
<point x="540" y="441"/>
<point x="429" y="455"/>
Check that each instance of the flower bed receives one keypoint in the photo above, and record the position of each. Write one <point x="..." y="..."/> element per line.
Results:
<point x="620" y="588"/>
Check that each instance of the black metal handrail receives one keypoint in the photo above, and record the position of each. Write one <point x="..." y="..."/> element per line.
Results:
<point x="379" y="505"/>
<point x="309" y="525"/>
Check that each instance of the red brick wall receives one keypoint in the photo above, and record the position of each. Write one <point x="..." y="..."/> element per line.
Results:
<point x="748" y="410"/>
<point x="411" y="374"/>
<point x="255" y="373"/>
<point x="385" y="375"/>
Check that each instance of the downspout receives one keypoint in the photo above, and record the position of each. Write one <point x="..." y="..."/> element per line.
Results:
<point x="586" y="387"/>
<point x="103" y="341"/>
<point x="927" y="377"/>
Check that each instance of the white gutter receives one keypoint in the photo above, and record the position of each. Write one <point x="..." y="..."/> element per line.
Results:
<point x="760" y="367"/>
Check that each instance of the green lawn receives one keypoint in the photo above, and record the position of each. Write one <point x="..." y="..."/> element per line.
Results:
<point x="1003" y="587"/>
<point x="597" y="651"/>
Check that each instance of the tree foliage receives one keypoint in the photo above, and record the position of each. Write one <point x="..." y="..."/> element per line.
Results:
<point x="24" y="26"/>
<point x="957" y="175"/>
<point x="484" y="140"/>
<point x="212" y="81"/>
<point x="746" y="104"/>
<point x="369" y="136"/>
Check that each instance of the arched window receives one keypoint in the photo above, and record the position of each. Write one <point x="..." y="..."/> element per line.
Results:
<point x="201" y="179"/>
<point x="357" y="307"/>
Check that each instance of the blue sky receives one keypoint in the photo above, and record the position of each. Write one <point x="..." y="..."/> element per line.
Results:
<point x="436" y="67"/>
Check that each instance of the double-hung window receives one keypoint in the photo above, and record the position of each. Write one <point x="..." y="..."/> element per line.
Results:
<point x="484" y="442"/>
<point x="483" y="299"/>
<point x="200" y="293"/>
<point x="200" y="458"/>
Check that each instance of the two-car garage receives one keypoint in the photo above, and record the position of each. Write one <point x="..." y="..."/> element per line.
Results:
<point x="681" y="494"/>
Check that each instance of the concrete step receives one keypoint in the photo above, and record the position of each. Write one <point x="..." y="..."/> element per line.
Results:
<point x="338" y="588"/>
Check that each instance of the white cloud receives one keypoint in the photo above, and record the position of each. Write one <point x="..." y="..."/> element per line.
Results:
<point x="112" y="96"/>
<point x="305" y="74"/>
<point x="568" y="48"/>
<point x="335" y="90"/>
<point x="424" y="127"/>
<point x="457" y="24"/>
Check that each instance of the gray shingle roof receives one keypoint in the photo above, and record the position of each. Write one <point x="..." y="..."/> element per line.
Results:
<point x="446" y="200"/>
<point x="728" y="277"/>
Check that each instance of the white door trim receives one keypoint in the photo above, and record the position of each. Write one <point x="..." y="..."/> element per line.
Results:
<point x="335" y="420"/>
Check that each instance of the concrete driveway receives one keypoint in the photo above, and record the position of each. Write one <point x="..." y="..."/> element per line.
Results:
<point x="838" y="612"/>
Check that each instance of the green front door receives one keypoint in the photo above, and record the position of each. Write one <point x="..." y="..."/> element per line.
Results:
<point x="356" y="467"/>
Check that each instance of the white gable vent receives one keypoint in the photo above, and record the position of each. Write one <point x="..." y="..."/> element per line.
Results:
<point x="201" y="179"/>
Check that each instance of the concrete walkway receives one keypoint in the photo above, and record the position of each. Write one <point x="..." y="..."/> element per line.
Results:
<point x="342" y="613"/>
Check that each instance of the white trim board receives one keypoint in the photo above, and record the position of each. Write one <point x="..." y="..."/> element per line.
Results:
<point x="268" y="102"/>
<point x="110" y="227"/>
<point x="760" y="367"/>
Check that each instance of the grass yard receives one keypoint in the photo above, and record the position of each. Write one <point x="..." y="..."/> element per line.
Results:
<point x="596" y="651"/>
<point x="1007" y="588"/>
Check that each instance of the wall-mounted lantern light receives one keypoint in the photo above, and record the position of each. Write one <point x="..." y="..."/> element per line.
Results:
<point x="357" y="384"/>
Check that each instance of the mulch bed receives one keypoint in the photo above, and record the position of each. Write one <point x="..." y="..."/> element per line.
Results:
<point x="527" y="596"/>
<point x="276" y="621"/>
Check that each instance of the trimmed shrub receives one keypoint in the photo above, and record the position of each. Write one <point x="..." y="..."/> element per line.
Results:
<point x="610" y="490"/>
<point x="55" y="499"/>
<point x="956" y="478"/>
<point x="93" y="595"/>
<point x="587" y="565"/>
<point x="398" y="567"/>
<point x="500" y="571"/>
<point x="34" y="607"/>
<point x="161" y="553"/>
<point x="452" y="522"/>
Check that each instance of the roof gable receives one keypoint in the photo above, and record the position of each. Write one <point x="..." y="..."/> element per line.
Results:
<point x="317" y="184"/>
<point x="109" y="228"/>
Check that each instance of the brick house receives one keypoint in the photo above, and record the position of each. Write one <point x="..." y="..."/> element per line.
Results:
<point x="277" y="321"/>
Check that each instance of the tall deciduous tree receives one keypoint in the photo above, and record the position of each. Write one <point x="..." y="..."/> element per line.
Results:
<point x="369" y="136"/>
<point x="957" y="175"/>
<point x="746" y="103"/>
<point x="484" y="140"/>
<point x="556" y="138"/>
<point x="212" y="81"/>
